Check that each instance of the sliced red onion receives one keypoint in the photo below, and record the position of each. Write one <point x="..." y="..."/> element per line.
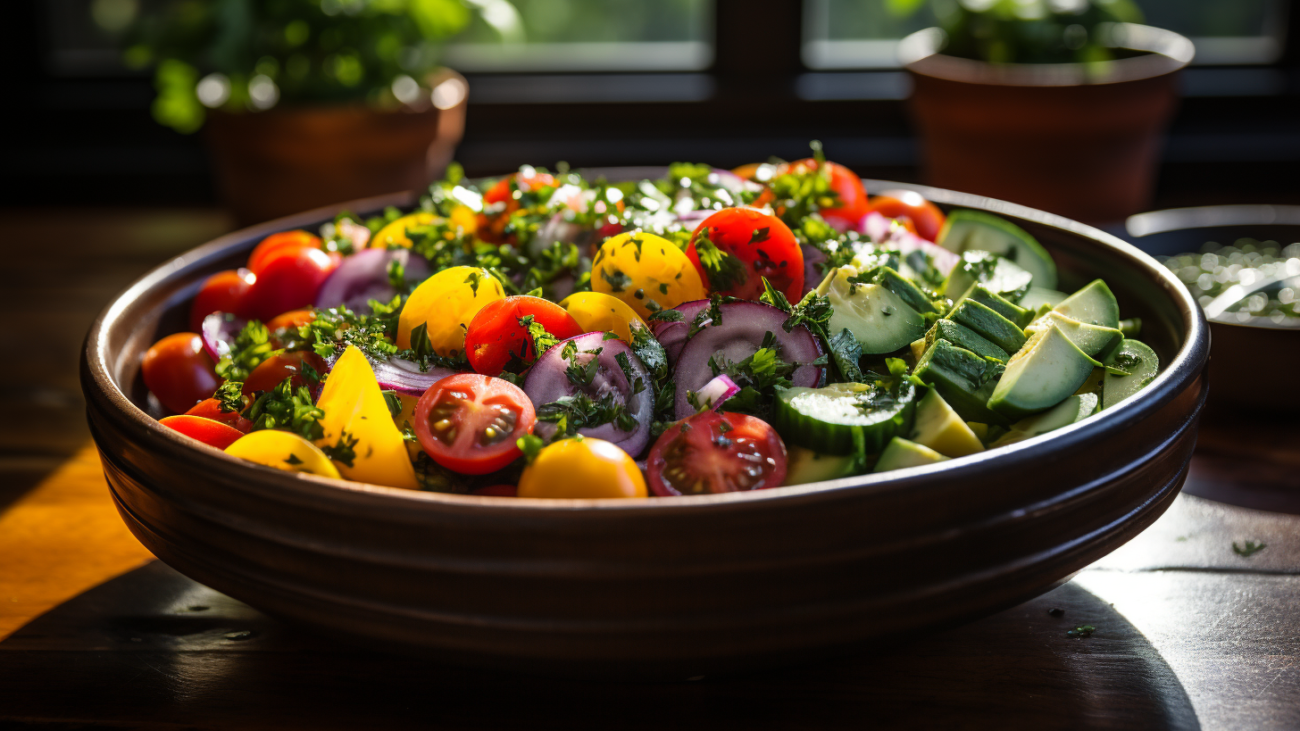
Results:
<point x="363" y="276"/>
<point x="812" y="275"/>
<point x="738" y="336"/>
<point x="219" y="331"/>
<point x="717" y="391"/>
<point x="548" y="381"/>
<point x="882" y="231"/>
<point x="672" y="335"/>
<point x="404" y="376"/>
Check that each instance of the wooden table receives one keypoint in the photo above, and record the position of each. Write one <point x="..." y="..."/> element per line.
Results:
<point x="96" y="634"/>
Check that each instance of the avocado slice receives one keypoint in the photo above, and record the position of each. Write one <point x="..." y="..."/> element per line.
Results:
<point x="901" y="453"/>
<point x="965" y="230"/>
<point x="1015" y="313"/>
<point x="1074" y="408"/>
<point x="965" y="380"/>
<point x="1094" y="304"/>
<point x="803" y="465"/>
<point x="994" y="327"/>
<point x="940" y="428"/>
<point x="981" y="267"/>
<point x="1047" y="370"/>
<point x="1039" y="296"/>
<point x="880" y="320"/>
<point x="1138" y="360"/>
<point x="1094" y="340"/>
<point x="962" y="337"/>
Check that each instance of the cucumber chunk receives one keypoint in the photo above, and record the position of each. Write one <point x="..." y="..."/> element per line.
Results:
<point x="940" y="428"/>
<point x="965" y="230"/>
<point x="980" y="267"/>
<point x="965" y="380"/>
<point x="1047" y="370"/>
<point x="904" y="288"/>
<point x="1139" y="361"/>
<point x="901" y="453"/>
<point x="1094" y="304"/>
<point x="1038" y="296"/>
<point x="1074" y="408"/>
<point x="825" y="419"/>
<point x="962" y="337"/>
<point x="994" y="327"/>
<point x="804" y="465"/>
<point x="880" y="320"/>
<point x="1094" y="340"/>
<point x="992" y="300"/>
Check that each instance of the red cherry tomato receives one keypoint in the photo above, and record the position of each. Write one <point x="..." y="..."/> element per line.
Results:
<point x="211" y="433"/>
<point x="285" y="240"/>
<point x="179" y="372"/>
<point x="908" y="206"/>
<point x="211" y="409"/>
<point x="491" y="228"/>
<point x="280" y="366"/>
<point x="289" y="280"/>
<point x="700" y="455"/>
<point x="751" y="244"/>
<point x="223" y="292"/>
<point x="494" y="337"/>
<point x="853" y="197"/>
<point x="470" y="422"/>
<point x="290" y="320"/>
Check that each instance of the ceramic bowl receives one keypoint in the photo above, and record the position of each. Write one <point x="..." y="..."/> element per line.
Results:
<point x="673" y="587"/>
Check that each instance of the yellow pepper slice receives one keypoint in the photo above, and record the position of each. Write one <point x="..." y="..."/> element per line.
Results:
<point x="357" y="416"/>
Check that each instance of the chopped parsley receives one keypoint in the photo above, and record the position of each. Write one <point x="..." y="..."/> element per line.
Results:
<point x="540" y="338"/>
<point x="344" y="450"/>
<point x="252" y="346"/>
<point x="722" y="268"/>
<point x="284" y="407"/>
<point x="1248" y="548"/>
<point x="531" y="445"/>
<point x="230" y="395"/>
<point x="571" y="413"/>
<point x="1081" y="631"/>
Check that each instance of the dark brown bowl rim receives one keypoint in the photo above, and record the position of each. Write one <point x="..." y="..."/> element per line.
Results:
<point x="1187" y="364"/>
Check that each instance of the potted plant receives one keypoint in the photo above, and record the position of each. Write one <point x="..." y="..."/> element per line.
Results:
<point x="1055" y="104"/>
<point x="306" y="103"/>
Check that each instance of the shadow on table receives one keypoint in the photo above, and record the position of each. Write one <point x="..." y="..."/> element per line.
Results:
<point x="152" y="649"/>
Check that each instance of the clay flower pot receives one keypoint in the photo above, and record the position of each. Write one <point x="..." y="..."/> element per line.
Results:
<point x="270" y="164"/>
<point x="1079" y="140"/>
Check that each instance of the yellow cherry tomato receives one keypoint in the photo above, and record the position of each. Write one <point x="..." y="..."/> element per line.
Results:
<point x="395" y="232"/>
<point x="357" y="418"/>
<point x="647" y="272"/>
<point x="445" y="303"/>
<point x="284" y="451"/>
<point x="600" y="312"/>
<point x="582" y="468"/>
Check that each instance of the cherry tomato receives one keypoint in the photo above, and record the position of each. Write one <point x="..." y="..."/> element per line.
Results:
<point x="223" y="292"/>
<point x="288" y="280"/>
<point x="495" y="337"/>
<point x="179" y="372"/>
<point x="853" y="197"/>
<point x="470" y="422"/>
<point x="211" y="409"/>
<point x="211" y="433"/>
<point x="290" y="319"/>
<point x="284" y="451"/>
<point x="491" y="227"/>
<point x="600" y="312"/>
<point x="647" y="272"/>
<point x="908" y="206"/>
<point x="445" y="304"/>
<point x="715" y="453"/>
<point x="285" y="240"/>
<point x="280" y="366"/>
<point x="745" y="245"/>
<point x="582" y="467"/>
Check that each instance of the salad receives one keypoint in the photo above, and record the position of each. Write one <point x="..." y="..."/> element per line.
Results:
<point x="549" y="335"/>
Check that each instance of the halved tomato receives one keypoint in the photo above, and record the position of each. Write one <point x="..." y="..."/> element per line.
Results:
<point x="715" y="453"/>
<point x="211" y="433"/>
<point x="470" y="422"/>
<point x="211" y="409"/>
<point x="908" y="206"/>
<point x="496" y="336"/>
<point x="736" y="247"/>
<point x="282" y="365"/>
<point x="223" y="292"/>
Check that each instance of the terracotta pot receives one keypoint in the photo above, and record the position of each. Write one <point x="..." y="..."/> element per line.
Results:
<point x="1080" y="141"/>
<point x="274" y="163"/>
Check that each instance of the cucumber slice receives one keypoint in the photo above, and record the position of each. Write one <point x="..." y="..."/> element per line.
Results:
<point x="980" y="267"/>
<point x="994" y="327"/>
<point x="880" y="320"/>
<point x="901" y="453"/>
<point x="962" y="337"/>
<point x="992" y="300"/>
<point x="941" y="429"/>
<point x="966" y="230"/>
<point x="825" y="419"/>
<point x="1098" y="342"/>
<point x="1037" y="297"/>
<point x="1135" y="358"/>
<point x="1074" y="408"/>
<point x="1094" y="304"/>
<point x="1047" y="370"/>
<point x="965" y="380"/>
<point x="904" y="288"/>
<point x="1093" y="384"/>
<point x="804" y="465"/>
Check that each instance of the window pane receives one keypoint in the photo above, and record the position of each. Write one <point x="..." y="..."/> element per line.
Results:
<point x="587" y="35"/>
<point x="864" y="34"/>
